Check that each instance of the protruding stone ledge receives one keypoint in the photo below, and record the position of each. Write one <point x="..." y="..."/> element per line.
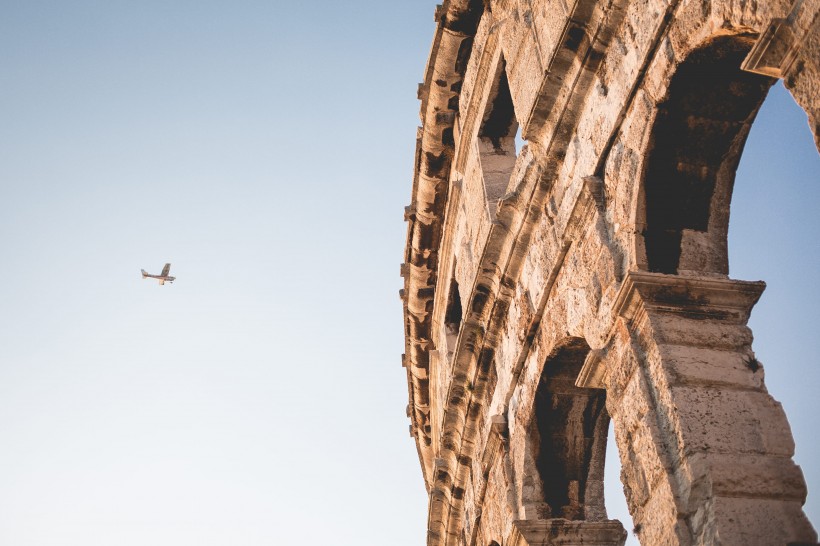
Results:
<point x="563" y="532"/>
<point x="776" y="50"/>
<point x="726" y="300"/>
<point x="593" y="372"/>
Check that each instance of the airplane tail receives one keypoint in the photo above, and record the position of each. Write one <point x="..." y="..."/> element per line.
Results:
<point x="144" y="274"/>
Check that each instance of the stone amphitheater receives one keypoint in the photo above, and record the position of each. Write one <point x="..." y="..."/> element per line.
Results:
<point x="566" y="266"/>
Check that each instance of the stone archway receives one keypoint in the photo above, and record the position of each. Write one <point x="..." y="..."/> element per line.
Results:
<point x="568" y="433"/>
<point x="697" y="139"/>
<point x="724" y="442"/>
<point x="611" y="228"/>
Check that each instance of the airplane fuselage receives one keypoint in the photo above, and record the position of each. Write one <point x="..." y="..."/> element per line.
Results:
<point x="161" y="278"/>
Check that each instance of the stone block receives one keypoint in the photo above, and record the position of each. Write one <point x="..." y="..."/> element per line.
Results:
<point x="712" y="367"/>
<point x="749" y="521"/>
<point x="657" y="521"/>
<point x="562" y="532"/>
<point x="706" y="333"/>
<point x="746" y="475"/>
<point x="730" y="421"/>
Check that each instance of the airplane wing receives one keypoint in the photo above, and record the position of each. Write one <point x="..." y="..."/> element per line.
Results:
<point x="166" y="270"/>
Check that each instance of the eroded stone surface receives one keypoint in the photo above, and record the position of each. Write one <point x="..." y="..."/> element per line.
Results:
<point x="584" y="277"/>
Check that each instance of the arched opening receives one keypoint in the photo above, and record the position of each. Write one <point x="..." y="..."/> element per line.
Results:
<point x="697" y="139"/>
<point x="499" y="139"/>
<point x="452" y="315"/>
<point x="569" y="432"/>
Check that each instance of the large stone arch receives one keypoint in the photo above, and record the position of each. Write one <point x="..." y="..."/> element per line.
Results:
<point x="698" y="125"/>
<point x="697" y="45"/>
<point x="555" y="249"/>
<point x="568" y="436"/>
<point x="695" y="146"/>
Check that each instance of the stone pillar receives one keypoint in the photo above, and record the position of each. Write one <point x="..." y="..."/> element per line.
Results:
<point x="705" y="450"/>
<point x="555" y="532"/>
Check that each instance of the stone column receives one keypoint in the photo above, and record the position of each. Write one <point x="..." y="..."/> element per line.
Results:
<point x="705" y="450"/>
<point x="563" y="532"/>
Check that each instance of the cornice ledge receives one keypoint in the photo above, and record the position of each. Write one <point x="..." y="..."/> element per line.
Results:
<point x="593" y="372"/>
<point x="457" y="21"/>
<point x="555" y="532"/>
<point x="776" y="50"/>
<point x="692" y="297"/>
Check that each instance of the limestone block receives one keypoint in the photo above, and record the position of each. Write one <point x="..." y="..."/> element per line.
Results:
<point x="549" y="20"/>
<point x="704" y="366"/>
<point x="555" y="532"/>
<point x="803" y="78"/>
<point x="706" y="333"/>
<point x="730" y="421"/>
<point x="657" y="521"/>
<point x="750" y="521"/>
<point x="744" y="475"/>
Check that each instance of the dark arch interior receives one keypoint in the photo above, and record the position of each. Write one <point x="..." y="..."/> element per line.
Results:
<point x="499" y="120"/>
<point x="697" y="141"/>
<point x="571" y="425"/>
<point x="496" y="138"/>
<point x="454" y="312"/>
<point x="453" y="315"/>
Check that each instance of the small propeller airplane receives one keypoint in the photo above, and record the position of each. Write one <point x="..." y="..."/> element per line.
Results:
<point x="163" y="277"/>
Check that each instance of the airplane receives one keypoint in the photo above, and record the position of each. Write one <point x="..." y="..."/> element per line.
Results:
<point x="163" y="277"/>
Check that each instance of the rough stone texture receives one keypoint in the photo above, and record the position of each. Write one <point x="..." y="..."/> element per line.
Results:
<point x="583" y="278"/>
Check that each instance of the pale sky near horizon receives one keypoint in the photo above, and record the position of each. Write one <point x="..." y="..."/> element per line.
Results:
<point x="265" y="149"/>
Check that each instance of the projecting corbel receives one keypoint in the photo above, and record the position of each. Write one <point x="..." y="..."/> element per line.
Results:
<point x="593" y="372"/>
<point x="775" y="51"/>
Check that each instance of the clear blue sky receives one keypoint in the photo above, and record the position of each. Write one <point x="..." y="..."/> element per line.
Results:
<point x="265" y="149"/>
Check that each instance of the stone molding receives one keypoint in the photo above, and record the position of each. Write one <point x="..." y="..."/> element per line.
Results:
<point x="593" y="372"/>
<point x="694" y="297"/>
<point x="495" y="441"/>
<point x="727" y="300"/>
<point x="457" y="21"/>
<point x="778" y="47"/>
<point x="562" y="532"/>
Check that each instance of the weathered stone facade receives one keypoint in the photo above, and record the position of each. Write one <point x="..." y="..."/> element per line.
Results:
<point x="584" y="276"/>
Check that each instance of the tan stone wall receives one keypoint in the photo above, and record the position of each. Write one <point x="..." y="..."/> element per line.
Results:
<point x="582" y="251"/>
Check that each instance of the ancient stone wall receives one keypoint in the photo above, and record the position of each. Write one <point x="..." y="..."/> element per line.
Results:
<point x="566" y="265"/>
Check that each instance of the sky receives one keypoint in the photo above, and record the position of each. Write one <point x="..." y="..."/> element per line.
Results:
<point x="265" y="149"/>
